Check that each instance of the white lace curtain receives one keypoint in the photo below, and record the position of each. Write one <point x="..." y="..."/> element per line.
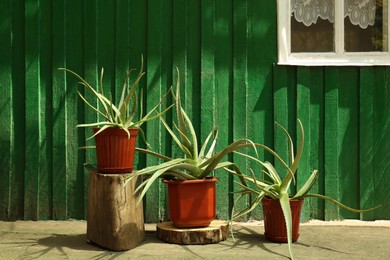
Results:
<point x="360" y="12"/>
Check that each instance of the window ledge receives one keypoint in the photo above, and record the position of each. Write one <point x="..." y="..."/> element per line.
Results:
<point x="329" y="59"/>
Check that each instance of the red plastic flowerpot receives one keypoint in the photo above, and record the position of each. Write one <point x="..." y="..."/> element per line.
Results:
<point x="192" y="202"/>
<point x="274" y="223"/>
<point x="115" y="150"/>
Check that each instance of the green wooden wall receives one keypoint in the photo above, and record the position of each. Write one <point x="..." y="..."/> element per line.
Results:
<point x="226" y="52"/>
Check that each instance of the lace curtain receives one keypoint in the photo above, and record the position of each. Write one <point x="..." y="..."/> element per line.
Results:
<point x="360" y="12"/>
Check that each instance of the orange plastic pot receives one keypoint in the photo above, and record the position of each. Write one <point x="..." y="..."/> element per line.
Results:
<point x="274" y="223"/>
<point x="192" y="202"/>
<point x="115" y="150"/>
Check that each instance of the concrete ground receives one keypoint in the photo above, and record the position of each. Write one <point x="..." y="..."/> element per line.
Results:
<point x="318" y="240"/>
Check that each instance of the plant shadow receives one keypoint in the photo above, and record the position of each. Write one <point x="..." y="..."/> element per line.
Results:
<point x="59" y="243"/>
<point x="249" y="238"/>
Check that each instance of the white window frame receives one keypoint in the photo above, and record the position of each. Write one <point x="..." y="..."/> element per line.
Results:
<point x="337" y="58"/>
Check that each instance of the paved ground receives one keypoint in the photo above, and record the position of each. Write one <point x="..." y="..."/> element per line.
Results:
<point x="318" y="240"/>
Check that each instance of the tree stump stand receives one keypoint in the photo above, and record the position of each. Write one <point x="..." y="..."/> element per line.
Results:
<point x="114" y="221"/>
<point x="215" y="233"/>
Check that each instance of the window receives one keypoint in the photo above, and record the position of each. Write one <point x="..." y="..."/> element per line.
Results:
<point x="333" y="32"/>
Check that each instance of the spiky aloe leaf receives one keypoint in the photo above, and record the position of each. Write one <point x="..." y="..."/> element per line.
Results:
<point x="182" y="147"/>
<point x="340" y="204"/>
<point x="85" y="83"/>
<point x="165" y="158"/>
<point x="307" y="186"/>
<point x="272" y="173"/>
<point x="194" y="138"/>
<point x="285" y="205"/>
<point x="163" y="168"/>
<point x="287" y="180"/>
<point x="212" y="146"/>
<point x="91" y="106"/>
<point x="252" y="205"/>
<point x="179" y="111"/>
<point x="237" y="145"/>
<point x="290" y="142"/>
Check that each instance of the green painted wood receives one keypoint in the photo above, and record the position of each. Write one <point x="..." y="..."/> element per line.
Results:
<point x="137" y="35"/>
<point x="207" y="108"/>
<point x="226" y="53"/>
<point x="60" y="87"/>
<point x="74" y="112"/>
<point x="348" y="139"/>
<point x="157" y="85"/>
<point x="366" y="141"/>
<point x="90" y="17"/>
<point x="6" y="103"/>
<point x="331" y="137"/>
<point x="45" y="210"/>
<point x="303" y="113"/>
<point x="166" y="83"/>
<point x="32" y="170"/>
<point x="16" y="195"/>
<point x="223" y="85"/>
<point x="316" y="139"/>
<point x="240" y="84"/>
<point x="261" y="32"/>
<point x="280" y="100"/>
<point x="381" y="142"/>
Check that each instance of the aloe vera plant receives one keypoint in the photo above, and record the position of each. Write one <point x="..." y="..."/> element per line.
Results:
<point x="123" y="115"/>
<point x="278" y="188"/>
<point x="194" y="163"/>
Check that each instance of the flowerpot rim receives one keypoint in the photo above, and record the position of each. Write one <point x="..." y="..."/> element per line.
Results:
<point x="116" y="131"/>
<point x="269" y="198"/>
<point x="207" y="179"/>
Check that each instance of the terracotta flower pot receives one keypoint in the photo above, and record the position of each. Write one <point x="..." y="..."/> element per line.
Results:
<point x="274" y="223"/>
<point x="115" y="150"/>
<point x="192" y="202"/>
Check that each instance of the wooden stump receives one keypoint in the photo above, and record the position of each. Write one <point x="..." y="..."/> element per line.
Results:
<point x="216" y="232"/>
<point x="114" y="222"/>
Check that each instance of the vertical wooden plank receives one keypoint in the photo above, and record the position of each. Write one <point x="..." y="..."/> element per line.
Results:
<point x="138" y="46"/>
<point x="381" y="143"/>
<point x="261" y="32"/>
<point x="303" y="112"/>
<point x="348" y="140"/>
<point x="59" y="125"/>
<point x="6" y="103"/>
<point x="166" y="83"/>
<point x="137" y="35"/>
<point x="91" y="75"/>
<point x="223" y="97"/>
<point x="159" y="19"/>
<point x="18" y="110"/>
<point x="193" y="54"/>
<point x="106" y="43"/>
<point x="121" y="45"/>
<point x="179" y="39"/>
<point x="154" y="84"/>
<point x="207" y="90"/>
<point x="74" y="111"/>
<point x="284" y="107"/>
<point x="31" y="193"/>
<point x="310" y="112"/>
<point x="46" y="116"/>
<point x="316" y="148"/>
<point x="332" y="149"/>
<point x="240" y="83"/>
<point x="366" y="141"/>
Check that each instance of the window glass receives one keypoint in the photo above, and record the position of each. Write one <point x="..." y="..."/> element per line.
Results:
<point x="312" y="26"/>
<point x="365" y="25"/>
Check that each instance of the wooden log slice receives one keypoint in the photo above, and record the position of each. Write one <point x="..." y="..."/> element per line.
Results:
<point x="215" y="233"/>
